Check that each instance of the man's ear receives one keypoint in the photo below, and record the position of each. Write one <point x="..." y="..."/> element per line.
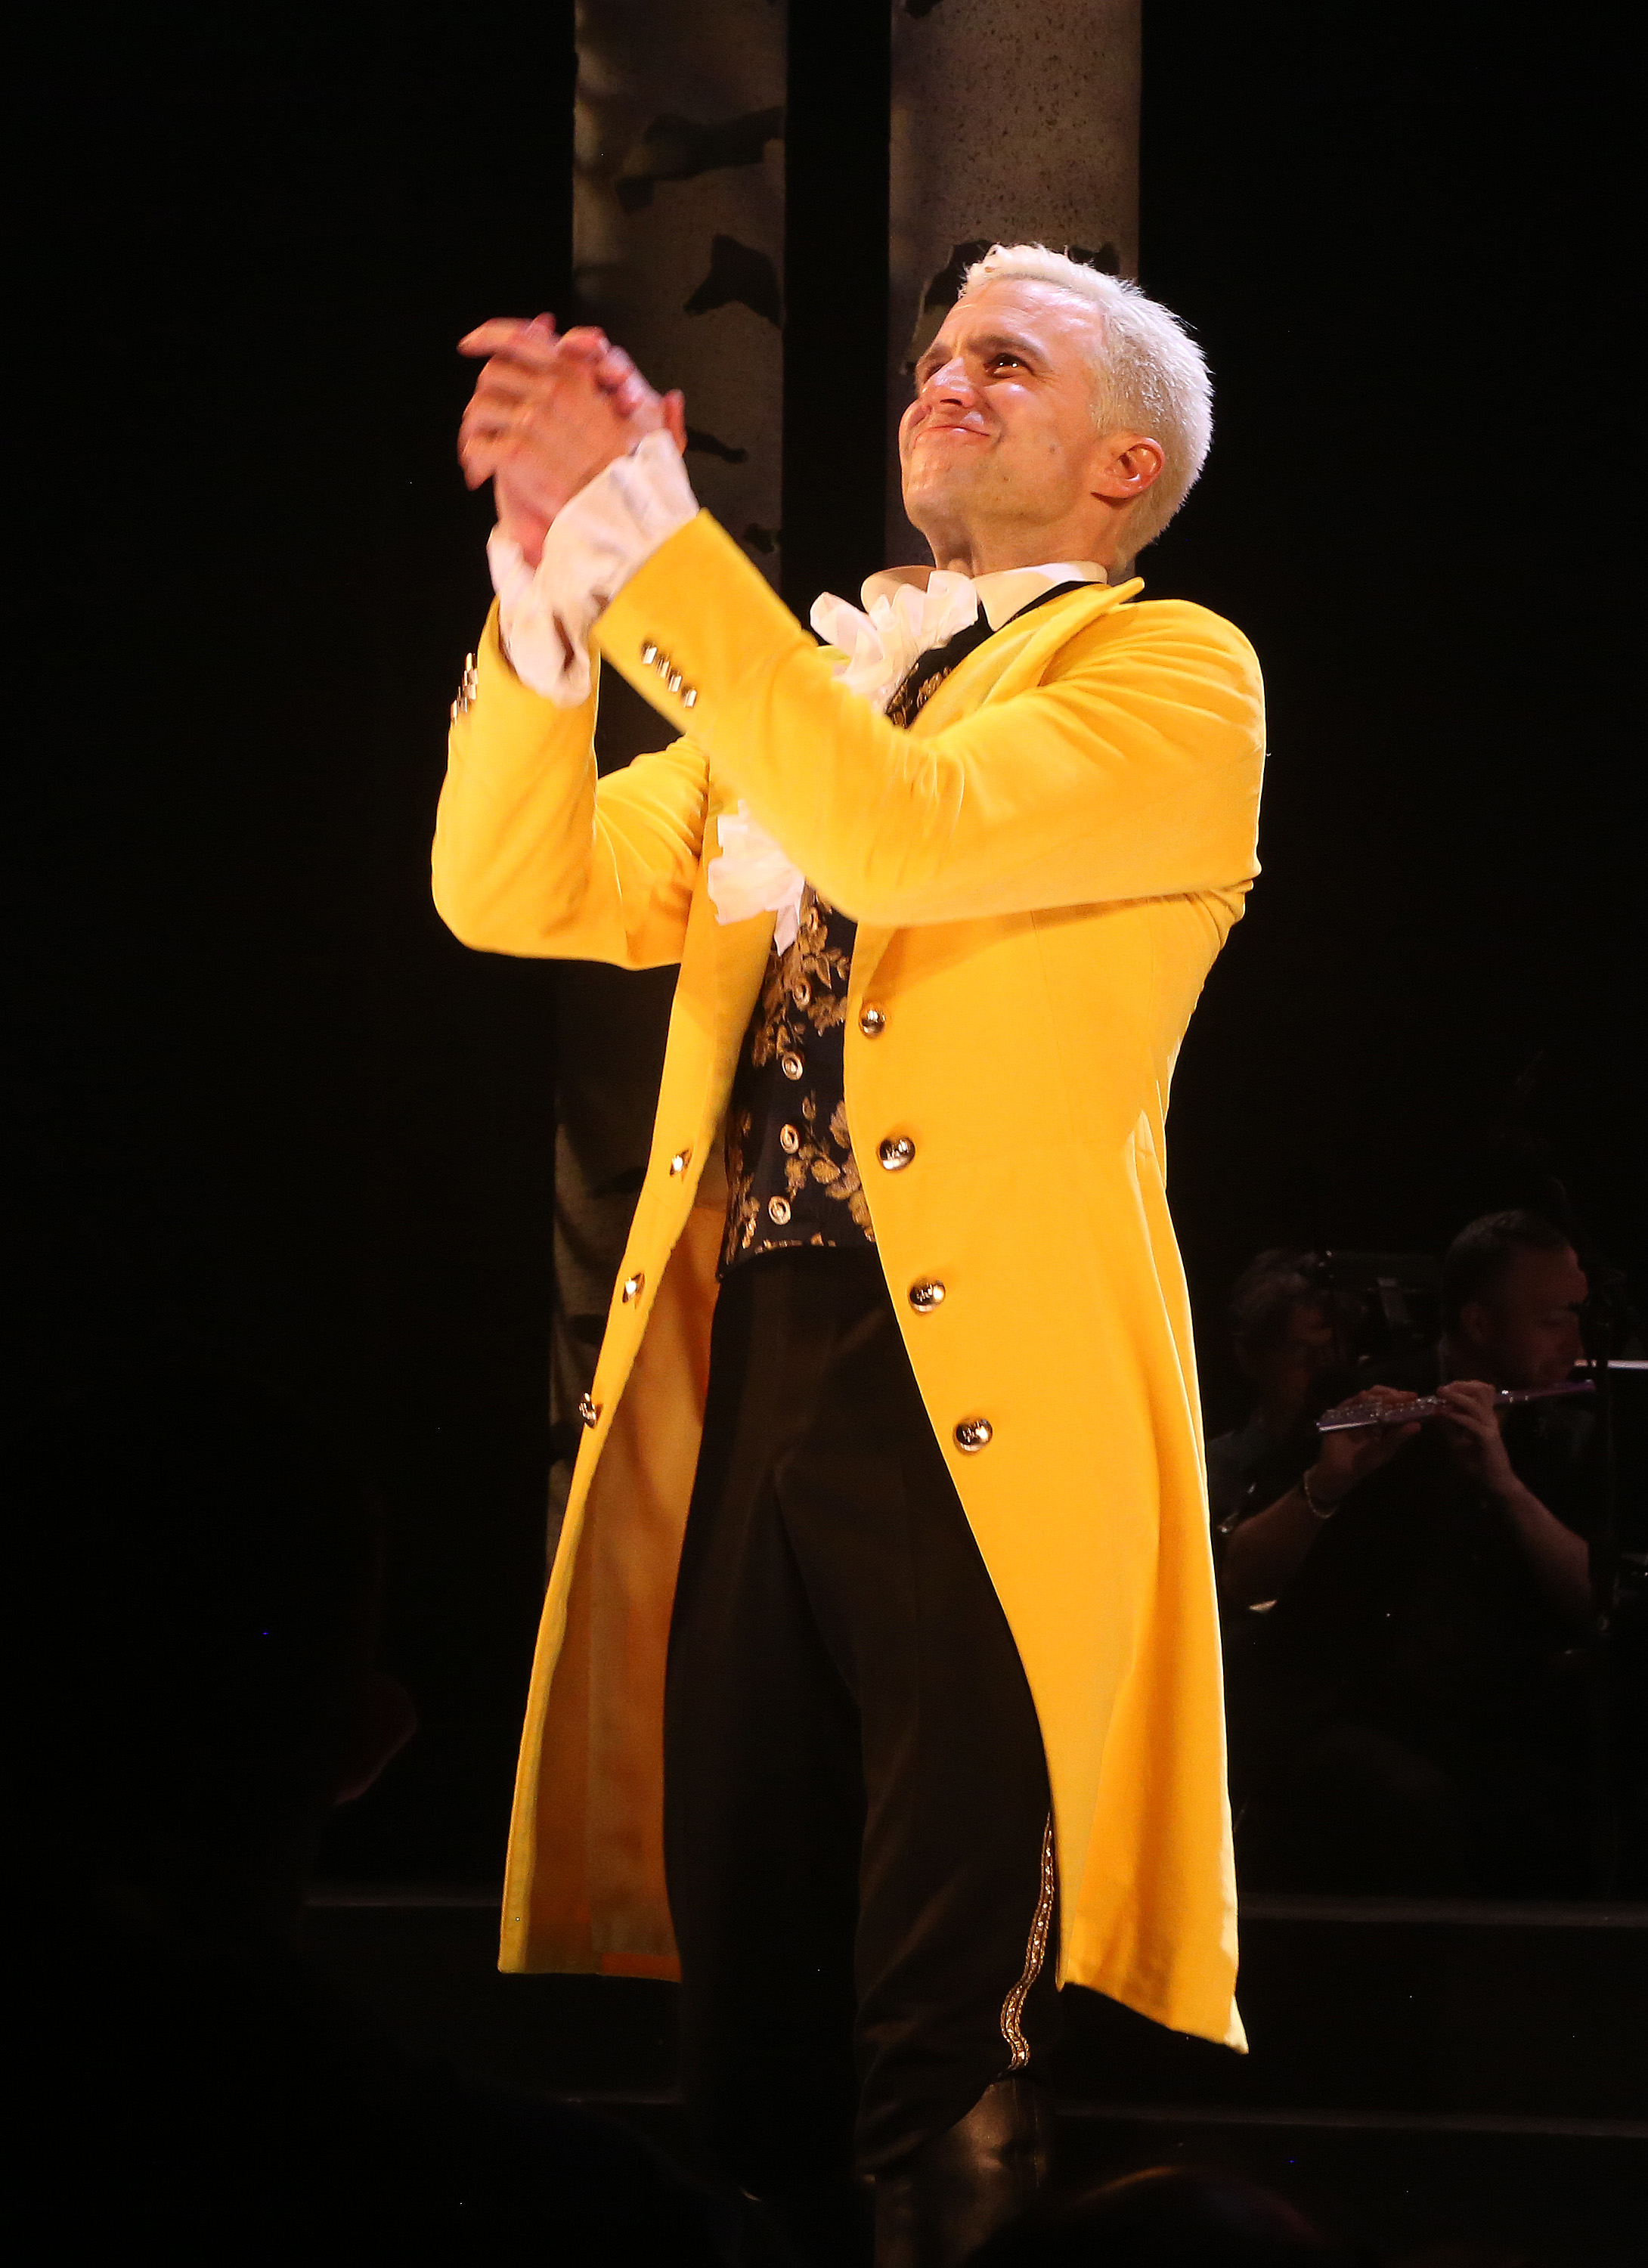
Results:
<point x="1132" y="462"/>
<point x="1475" y="1323"/>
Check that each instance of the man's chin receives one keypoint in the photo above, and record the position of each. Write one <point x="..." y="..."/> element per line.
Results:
<point x="936" y="496"/>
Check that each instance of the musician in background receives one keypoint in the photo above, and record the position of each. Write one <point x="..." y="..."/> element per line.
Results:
<point x="1406" y="1718"/>
<point x="1291" y="1339"/>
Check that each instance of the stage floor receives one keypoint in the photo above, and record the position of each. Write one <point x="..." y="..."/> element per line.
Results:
<point x="1422" y="2072"/>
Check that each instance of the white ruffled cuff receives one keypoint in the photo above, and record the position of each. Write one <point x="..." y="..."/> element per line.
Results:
<point x="754" y="875"/>
<point x="595" y="544"/>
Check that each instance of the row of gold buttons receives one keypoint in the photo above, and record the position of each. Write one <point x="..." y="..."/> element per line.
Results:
<point x="793" y="1067"/>
<point x="468" y="686"/>
<point x="589" y="1408"/>
<point x="971" y="1434"/>
<point x="653" y="656"/>
<point x="894" y="1153"/>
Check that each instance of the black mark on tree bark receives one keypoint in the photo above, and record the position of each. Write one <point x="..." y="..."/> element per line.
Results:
<point x="737" y="272"/>
<point x="678" y="149"/>
<point x="707" y="445"/>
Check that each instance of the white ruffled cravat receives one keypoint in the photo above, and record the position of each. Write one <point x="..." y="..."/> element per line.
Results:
<point x="753" y="873"/>
<point x="882" y="646"/>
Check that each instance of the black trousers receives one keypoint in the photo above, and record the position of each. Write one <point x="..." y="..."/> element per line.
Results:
<point x="857" y="1827"/>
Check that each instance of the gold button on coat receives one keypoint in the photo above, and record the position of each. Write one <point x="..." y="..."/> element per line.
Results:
<point x="679" y="1162"/>
<point x="789" y="1140"/>
<point x="778" y="1210"/>
<point x="926" y="1295"/>
<point x="872" y="1021"/>
<point x="589" y="1409"/>
<point x="634" y="1285"/>
<point x="973" y="1435"/>
<point x="791" y="1066"/>
<point x="896" y="1152"/>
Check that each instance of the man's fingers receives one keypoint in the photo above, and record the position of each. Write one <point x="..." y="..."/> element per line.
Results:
<point x="615" y="380"/>
<point x="481" y="454"/>
<point x="1471" y="1424"/>
<point x="502" y="333"/>
<point x="478" y="462"/>
<point x="510" y="393"/>
<point x="515" y="370"/>
<point x="675" y="418"/>
<point x="540" y="410"/>
<point x="584" y="343"/>
<point x="498" y="404"/>
<point x="611" y="370"/>
<point x="494" y="413"/>
<point x="489" y="456"/>
<point x="496" y="436"/>
<point x="547" y="413"/>
<point x="1468" y="1397"/>
<point x="635" y="394"/>
<point x="528" y="342"/>
<point x="497" y="338"/>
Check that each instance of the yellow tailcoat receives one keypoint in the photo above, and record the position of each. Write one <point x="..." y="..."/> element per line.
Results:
<point x="1042" y="868"/>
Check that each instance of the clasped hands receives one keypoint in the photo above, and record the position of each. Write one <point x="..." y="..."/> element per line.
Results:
<point x="548" y="412"/>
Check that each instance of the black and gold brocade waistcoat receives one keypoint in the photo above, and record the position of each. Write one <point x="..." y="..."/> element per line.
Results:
<point x="791" y="1175"/>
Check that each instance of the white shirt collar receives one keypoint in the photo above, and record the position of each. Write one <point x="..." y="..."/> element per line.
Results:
<point x="1003" y="595"/>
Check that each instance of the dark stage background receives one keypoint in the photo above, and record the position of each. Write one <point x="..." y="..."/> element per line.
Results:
<point x="275" y="1116"/>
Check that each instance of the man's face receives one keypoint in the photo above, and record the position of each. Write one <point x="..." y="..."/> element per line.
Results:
<point x="1305" y="1348"/>
<point x="1526" y="1332"/>
<point x="1001" y="426"/>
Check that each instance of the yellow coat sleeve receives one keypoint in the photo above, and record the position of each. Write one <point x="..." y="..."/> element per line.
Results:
<point x="536" y="855"/>
<point x="1131" y="771"/>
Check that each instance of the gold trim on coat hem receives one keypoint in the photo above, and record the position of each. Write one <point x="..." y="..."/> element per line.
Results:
<point x="1036" y="1954"/>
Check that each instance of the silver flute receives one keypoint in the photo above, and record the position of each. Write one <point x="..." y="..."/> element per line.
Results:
<point x="1357" y="1416"/>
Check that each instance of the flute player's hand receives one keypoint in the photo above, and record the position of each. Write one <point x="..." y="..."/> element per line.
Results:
<point x="547" y="414"/>
<point x="1473" y="1427"/>
<point x="1350" y="1454"/>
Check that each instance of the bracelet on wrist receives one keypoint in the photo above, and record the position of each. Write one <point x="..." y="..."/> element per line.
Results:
<point x="1320" y="1510"/>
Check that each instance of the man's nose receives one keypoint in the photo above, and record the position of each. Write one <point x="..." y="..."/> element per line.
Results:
<point x="949" y="381"/>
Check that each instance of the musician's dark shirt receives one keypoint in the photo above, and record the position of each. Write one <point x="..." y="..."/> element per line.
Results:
<point x="1417" y="1609"/>
<point x="1252" y="1467"/>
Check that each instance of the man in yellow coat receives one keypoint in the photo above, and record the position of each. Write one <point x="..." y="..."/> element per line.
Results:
<point x="879" y="1678"/>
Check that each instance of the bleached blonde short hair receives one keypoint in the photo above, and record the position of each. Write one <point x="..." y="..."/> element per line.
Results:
<point x="1150" y="376"/>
